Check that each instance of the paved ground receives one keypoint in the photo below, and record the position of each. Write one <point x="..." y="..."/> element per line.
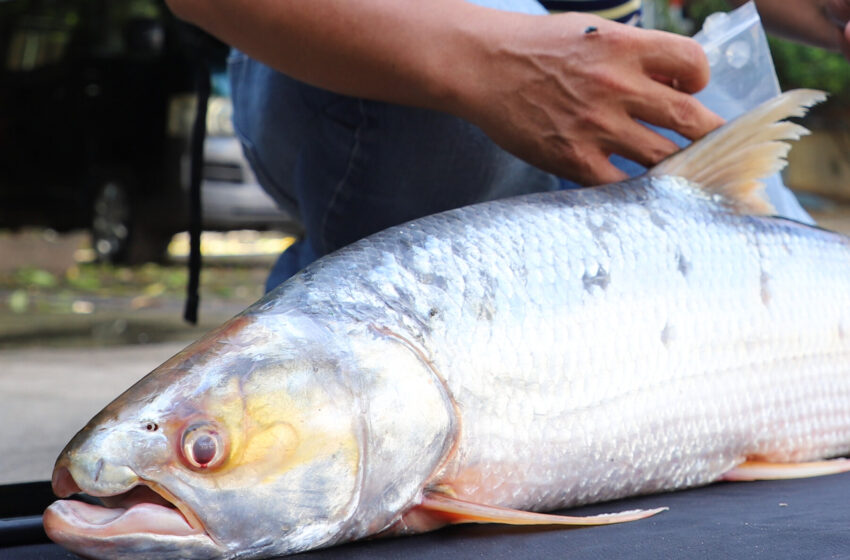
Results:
<point x="65" y="351"/>
<point x="46" y="395"/>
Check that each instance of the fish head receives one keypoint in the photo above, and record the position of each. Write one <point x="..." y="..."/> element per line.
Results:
<point x="243" y="444"/>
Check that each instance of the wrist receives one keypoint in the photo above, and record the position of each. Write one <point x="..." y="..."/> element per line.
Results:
<point x="462" y="64"/>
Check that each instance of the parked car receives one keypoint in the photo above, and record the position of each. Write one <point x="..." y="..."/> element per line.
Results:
<point x="96" y="106"/>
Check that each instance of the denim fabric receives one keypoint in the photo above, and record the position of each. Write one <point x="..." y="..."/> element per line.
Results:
<point x="350" y="167"/>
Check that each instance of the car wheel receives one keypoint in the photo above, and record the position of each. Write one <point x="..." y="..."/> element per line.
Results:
<point x="110" y="227"/>
<point x="120" y="234"/>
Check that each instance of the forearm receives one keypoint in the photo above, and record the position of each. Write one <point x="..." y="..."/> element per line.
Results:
<point x="412" y="53"/>
<point x="562" y="92"/>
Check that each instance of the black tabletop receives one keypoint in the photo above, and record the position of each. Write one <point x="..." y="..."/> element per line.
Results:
<point x="807" y="518"/>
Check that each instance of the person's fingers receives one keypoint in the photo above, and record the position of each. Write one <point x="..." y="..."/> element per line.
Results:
<point x="838" y="12"/>
<point x="674" y="110"/>
<point x="590" y="167"/>
<point x="844" y="41"/>
<point x="641" y="144"/>
<point x="674" y="60"/>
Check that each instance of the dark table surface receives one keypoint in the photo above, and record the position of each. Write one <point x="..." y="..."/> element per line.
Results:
<point x="807" y="518"/>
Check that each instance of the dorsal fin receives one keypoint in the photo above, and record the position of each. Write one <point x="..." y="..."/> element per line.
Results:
<point x="730" y="160"/>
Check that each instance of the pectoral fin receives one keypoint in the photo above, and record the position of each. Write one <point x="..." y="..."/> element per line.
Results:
<point x="454" y="510"/>
<point x="762" y="470"/>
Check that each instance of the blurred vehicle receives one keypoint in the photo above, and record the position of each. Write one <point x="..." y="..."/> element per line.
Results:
<point x="96" y="107"/>
<point x="232" y="197"/>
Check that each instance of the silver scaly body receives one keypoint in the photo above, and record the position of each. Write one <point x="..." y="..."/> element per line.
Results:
<point x="626" y="339"/>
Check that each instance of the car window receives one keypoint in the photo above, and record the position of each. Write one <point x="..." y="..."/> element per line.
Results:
<point x="220" y="82"/>
<point x="126" y="23"/>
<point x="41" y="38"/>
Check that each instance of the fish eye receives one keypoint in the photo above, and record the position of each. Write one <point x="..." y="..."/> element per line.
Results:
<point x="202" y="446"/>
<point x="151" y="426"/>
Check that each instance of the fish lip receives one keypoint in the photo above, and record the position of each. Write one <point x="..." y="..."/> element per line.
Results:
<point x="187" y="513"/>
<point x="63" y="483"/>
<point x="115" y="505"/>
<point x="62" y="523"/>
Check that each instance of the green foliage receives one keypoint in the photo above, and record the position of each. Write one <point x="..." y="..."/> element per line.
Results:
<point x="83" y="279"/>
<point x="19" y="301"/>
<point x="35" y="277"/>
<point x="698" y="10"/>
<point x="802" y="66"/>
<point x="24" y="289"/>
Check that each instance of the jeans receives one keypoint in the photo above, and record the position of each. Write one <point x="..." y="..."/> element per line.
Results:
<point x="350" y="167"/>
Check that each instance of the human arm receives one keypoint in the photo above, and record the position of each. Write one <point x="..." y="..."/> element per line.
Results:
<point x="539" y="86"/>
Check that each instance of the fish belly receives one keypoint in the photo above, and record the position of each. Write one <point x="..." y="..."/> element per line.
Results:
<point x="623" y="340"/>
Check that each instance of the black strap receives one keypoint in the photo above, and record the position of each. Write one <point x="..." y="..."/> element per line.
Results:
<point x="199" y="130"/>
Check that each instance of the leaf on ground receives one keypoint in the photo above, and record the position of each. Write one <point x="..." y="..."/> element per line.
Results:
<point x="19" y="301"/>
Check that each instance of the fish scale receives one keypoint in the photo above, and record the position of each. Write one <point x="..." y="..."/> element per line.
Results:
<point x="706" y="384"/>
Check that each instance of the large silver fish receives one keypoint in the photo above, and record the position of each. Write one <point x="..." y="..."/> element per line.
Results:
<point x="520" y="355"/>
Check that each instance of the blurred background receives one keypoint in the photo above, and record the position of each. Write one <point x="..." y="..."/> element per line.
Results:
<point x="96" y="107"/>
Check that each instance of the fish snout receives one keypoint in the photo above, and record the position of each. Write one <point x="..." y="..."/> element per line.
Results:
<point x="63" y="483"/>
<point x="93" y="475"/>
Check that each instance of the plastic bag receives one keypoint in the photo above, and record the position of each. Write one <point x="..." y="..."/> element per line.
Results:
<point x="742" y="73"/>
<point x="742" y="77"/>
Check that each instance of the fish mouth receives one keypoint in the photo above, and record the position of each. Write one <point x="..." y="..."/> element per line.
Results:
<point x="143" y="518"/>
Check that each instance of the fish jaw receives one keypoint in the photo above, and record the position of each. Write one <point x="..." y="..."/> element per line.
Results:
<point x="136" y="516"/>
<point x="122" y="459"/>
<point x="142" y="531"/>
<point x="289" y="442"/>
<point x="137" y="521"/>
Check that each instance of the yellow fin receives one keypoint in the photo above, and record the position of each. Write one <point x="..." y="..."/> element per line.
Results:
<point x="461" y="511"/>
<point x="730" y="160"/>
<point x="761" y="470"/>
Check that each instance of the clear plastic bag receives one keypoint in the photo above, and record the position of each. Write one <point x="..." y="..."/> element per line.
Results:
<point x="742" y="73"/>
<point x="742" y="77"/>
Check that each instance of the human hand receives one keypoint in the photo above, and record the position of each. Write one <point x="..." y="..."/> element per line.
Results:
<point x="565" y="98"/>
<point x="838" y="13"/>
